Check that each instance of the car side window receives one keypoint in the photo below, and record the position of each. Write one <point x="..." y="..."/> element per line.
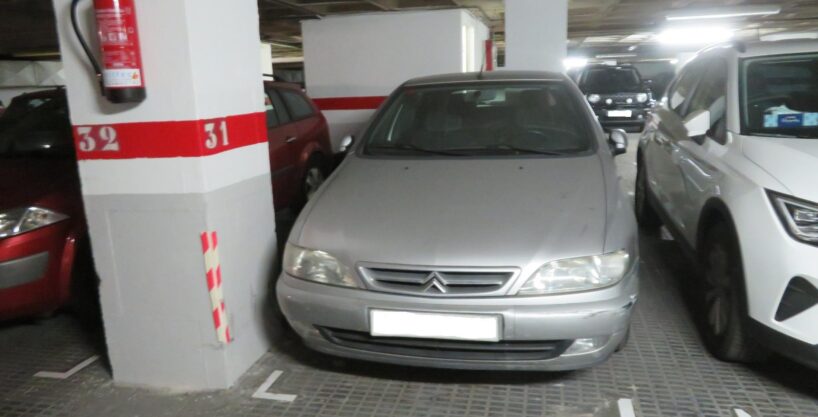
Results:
<point x="711" y="95"/>
<point x="679" y="95"/>
<point x="299" y="107"/>
<point x="280" y="108"/>
<point x="270" y="111"/>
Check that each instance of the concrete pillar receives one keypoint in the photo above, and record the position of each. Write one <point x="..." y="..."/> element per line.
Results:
<point x="536" y="34"/>
<point x="159" y="178"/>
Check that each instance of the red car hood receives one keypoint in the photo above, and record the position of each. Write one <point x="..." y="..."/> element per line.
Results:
<point x="49" y="183"/>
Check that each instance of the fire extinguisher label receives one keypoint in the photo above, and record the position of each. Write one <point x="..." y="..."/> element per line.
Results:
<point x="116" y="26"/>
<point x="126" y="77"/>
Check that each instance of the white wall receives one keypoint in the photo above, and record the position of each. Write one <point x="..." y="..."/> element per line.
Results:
<point x="536" y="34"/>
<point x="18" y="77"/>
<point x="370" y="54"/>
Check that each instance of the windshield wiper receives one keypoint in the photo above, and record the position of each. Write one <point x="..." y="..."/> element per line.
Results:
<point x="515" y="149"/>
<point x="410" y="147"/>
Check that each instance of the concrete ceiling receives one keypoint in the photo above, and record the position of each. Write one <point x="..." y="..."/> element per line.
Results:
<point x="594" y="26"/>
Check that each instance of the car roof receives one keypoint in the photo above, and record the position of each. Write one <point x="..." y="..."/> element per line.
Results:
<point x="282" y="84"/>
<point x="50" y="93"/>
<point x="763" y="48"/>
<point x="492" y="76"/>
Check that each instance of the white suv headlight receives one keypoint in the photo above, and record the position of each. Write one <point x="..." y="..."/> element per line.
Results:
<point x="642" y="97"/>
<point x="594" y="98"/>
<point x="316" y="266"/>
<point x="800" y="217"/>
<point x="578" y="274"/>
<point x="20" y="220"/>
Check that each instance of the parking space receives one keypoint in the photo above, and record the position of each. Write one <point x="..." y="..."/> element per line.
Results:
<point x="663" y="371"/>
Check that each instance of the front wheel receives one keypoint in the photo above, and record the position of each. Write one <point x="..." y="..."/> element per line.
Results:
<point x="645" y="213"/>
<point x="314" y="177"/>
<point x="725" y="312"/>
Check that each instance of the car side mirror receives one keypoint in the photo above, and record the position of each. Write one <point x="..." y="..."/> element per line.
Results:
<point x="618" y="141"/>
<point x="697" y="125"/>
<point x="346" y="143"/>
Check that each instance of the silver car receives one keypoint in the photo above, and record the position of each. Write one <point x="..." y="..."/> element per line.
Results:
<point x="476" y="223"/>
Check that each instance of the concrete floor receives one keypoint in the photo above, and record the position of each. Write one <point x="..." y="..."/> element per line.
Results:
<point x="664" y="371"/>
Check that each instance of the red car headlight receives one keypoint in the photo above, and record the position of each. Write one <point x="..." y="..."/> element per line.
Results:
<point x="20" y="220"/>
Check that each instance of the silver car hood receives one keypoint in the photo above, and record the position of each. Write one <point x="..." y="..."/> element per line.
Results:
<point x="458" y="212"/>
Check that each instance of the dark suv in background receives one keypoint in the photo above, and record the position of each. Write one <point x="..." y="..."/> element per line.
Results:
<point x="618" y="94"/>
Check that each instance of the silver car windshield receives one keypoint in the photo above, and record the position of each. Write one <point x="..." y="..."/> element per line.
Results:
<point x="778" y="96"/>
<point x="481" y="120"/>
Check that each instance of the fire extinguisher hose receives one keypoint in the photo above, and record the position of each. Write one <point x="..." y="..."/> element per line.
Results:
<point x="84" y="44"/>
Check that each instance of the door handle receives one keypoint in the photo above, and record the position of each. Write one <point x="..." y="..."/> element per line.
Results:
<point x="290" y="139"/>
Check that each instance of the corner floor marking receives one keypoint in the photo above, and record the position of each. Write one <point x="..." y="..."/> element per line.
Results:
<point x="65" y="375"/>
<point x="262" y="393"/>
<point x="625" y="408"/>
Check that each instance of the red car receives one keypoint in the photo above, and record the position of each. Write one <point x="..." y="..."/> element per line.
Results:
<point x="44" y="248"/>
<point x="300" y="150"/>
<point x="42" y="224"/>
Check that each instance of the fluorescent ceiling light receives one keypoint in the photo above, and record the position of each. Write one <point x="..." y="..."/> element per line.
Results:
<point x="574" y="62"/>
<point x="723" y="12"/>
<point x="789" y="35"/>
<point x="608" y="56"/>
<point x="694" y="35"/>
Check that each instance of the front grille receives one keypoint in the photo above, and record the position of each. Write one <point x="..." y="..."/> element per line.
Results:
<point x="447" y="349"/>
<point x="438" y="282"/>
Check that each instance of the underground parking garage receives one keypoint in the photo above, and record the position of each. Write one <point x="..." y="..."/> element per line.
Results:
<point x="408" y="208"/>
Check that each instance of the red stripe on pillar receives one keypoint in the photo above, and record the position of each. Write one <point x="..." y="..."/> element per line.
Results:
<point x="211" y="280"/>
<point x="217" y="322"/>
<point x="349" y="103"/>
<point x="205" y="244"/>
<point x="184" y="138"/>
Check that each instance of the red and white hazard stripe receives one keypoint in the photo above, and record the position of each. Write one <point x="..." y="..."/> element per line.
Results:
<point x="213" y="270"/>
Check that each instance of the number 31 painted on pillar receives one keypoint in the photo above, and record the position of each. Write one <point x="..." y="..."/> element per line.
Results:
<point x="213" y="136"/>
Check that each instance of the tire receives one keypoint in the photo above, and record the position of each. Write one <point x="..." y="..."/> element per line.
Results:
<point x="646" y="215"/>
<point x="314" y="175"/>
<point x="724" y="315"/>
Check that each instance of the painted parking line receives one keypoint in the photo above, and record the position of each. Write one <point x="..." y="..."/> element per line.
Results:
<point x="262" y="393"/>
<point x="741" y="413"/>
<point x="65" y="375"/>
<point x="625" y="408"/>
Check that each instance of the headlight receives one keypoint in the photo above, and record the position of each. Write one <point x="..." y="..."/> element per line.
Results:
<point x="594" y="98"/>
<point x="578" y="274"/>
<point x="800" y="217"/>
<point x="317" y="266"/>
<point x="24" y="219"/>
<point x="642" y="97"/>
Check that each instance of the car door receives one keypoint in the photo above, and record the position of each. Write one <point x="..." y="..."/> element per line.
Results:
<point x="699" y="159"/>
<point x="661" y="150"/>
<point x="281" y="131"/>
<point x="306" y="120"/>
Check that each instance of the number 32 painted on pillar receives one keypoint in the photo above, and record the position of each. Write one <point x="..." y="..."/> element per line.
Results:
<point x="213" y="136"/>
<point x="89" y="140"/>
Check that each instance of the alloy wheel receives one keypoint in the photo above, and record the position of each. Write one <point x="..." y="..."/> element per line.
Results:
<point x="719" y="294"/>
<point x="312" y="181"/>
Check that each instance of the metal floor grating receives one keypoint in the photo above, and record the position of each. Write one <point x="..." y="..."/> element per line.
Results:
<point x="664" y="370"/>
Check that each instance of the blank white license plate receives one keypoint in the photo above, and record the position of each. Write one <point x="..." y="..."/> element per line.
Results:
<point x="620" y="113"/>
<point x="389" y="323"/>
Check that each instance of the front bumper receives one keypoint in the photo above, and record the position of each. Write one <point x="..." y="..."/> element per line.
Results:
<point x="604" y="314"/>
<point x="34" y="276"/>
<point x="637" y="119"/>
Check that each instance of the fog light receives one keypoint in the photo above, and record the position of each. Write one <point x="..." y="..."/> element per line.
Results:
<point x="587" y="345"/>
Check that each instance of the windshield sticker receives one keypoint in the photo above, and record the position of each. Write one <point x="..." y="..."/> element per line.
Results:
<point x="783" y="116"/>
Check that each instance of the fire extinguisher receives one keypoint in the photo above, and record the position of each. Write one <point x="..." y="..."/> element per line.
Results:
<point x="120" y="74"/>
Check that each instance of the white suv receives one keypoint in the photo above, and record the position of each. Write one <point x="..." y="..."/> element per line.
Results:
<point x="729" y="163"/>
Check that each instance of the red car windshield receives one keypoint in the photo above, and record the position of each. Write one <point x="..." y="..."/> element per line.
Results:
<point x="36" y="126"/>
